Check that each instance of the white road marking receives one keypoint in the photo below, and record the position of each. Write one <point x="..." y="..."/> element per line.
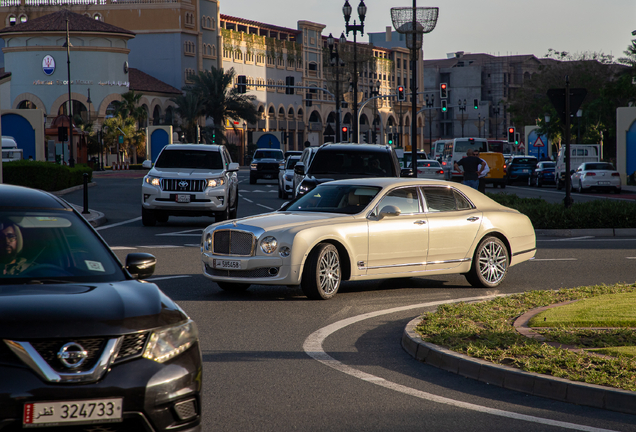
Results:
<point x="631" y="258"/>
<point x="167" y="277"/>
<point x="197" y="233"/>
<point x="122" y="248"/>
<point x="118" y="224"/>
<point x="313" y="348"/>
<point x="264" y="206"/>
<point x="553" y="259"/>
<point x="257" y="191"/>
<point x="248" y="200"/>
<point x="161" y="246"/>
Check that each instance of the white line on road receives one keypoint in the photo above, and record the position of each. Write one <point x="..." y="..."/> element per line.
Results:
<point x="553" y="259"/>
<point x="313" y="348"/>
<point x="264" y="206"/>
<point x="197" y="233"/>
<point x="122" y="248"/>
<point x="167" y="277"/>
<point x="248" y="200"/>
<point x="117" y="224"/>
<point x="631" y="258"/>
<point x="161" y="246"/>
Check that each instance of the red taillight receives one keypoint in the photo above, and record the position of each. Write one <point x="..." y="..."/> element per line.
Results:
<point x="443" y="163"/>
<point x="439" y="172"/>
<point x="504" y="166"/>
<point x="590" y="174"/>
<point x="616" y="175"/>
<point x="419" y="171"/>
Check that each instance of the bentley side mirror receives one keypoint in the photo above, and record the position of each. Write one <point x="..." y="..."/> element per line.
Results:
<point x="140" y="265"/>
<point x="389" y="210"/>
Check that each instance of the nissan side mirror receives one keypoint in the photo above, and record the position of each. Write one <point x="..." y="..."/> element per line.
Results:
<point x="140" y="265"/>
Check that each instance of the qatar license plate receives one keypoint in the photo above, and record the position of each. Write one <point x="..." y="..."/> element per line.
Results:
<point x="603" y="183"/>
<point x="226" y="264"/>
<point x="183" y="198"/>
<point x="525" y="170"/>
<point x="40" y="414"/>
<point x="268" y="176"/>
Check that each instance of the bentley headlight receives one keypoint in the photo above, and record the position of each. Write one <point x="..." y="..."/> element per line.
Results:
<point x="208" y="242"/>
<point x="269" y="245"/>
<point x="155" y="181"/>
<point x="214" y="182"/>
<point x="167" y="343"/>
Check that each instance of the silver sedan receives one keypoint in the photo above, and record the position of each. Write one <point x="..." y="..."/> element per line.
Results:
<point x="364" y="229"/>
<point x="596" y="175"/>
<point x="430" y="169"/>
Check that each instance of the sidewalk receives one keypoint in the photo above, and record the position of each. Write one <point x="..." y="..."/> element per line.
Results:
<point x="94" y="217"/>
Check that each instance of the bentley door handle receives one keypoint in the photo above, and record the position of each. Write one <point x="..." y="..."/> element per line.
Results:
<point x="420" y="222"/>
<point x="472" y="219"/>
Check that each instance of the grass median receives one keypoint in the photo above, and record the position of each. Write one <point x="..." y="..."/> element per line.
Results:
<point x="486" y="330"/>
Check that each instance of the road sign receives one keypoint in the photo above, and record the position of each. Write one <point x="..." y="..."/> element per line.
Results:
<point x="538" y="143"/>
<point x="557" y="97"/>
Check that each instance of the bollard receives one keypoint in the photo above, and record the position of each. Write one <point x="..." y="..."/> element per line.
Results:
<point x="85" y="211"/>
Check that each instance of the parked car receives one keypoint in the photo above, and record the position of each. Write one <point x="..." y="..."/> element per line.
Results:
<point x="343" y="161"/>
<point x="430" y="169"/>
<point x="370" y="228"/>
<point x="286" y="177"/>
<point x="83" y="340"/>
<point x="265" y="164"/>
<point x="579" y="153"/>
<point x="190" y="180"/>
<point x="596" y="175"/>
<point x="305" y="160"/>
<point x="519" y="168"/>
<point x="542" y="174"/>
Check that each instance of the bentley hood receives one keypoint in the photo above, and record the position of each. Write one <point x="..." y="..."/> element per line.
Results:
<point x="283" y="221"/>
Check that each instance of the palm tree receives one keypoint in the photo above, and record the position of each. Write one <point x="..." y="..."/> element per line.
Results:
<point x="189" y="108"/>
<point x="133" y="137"/>
<point x="221" y="101"/>
<point x="129" y="107"/>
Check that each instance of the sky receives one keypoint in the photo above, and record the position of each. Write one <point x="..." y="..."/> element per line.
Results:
<point x="497" y="27"/>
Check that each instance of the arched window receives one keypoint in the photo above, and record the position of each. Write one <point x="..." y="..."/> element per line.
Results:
<point x="98" y="17"/>
<point x="12" y="20"/>
<point x="290" y="113"/>
<point x="213" y="50"/>
<point x="169" y="116"/>
<point x="156" y="115"/>
<point x="27" y="104"/>
<point x="23" y="18"/>
<point x="271" y="111"/>
<point x="281" y="112"/>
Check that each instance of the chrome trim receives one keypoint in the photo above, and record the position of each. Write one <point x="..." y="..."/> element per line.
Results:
<point x="472" y="219"/>
<point x="28" y="354"/>
<point x="525" y="251"/>
<point x="418" y="264"/>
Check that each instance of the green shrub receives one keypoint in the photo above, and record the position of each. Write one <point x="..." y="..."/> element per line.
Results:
<point x="47" y="176"/>
<point x="586" y="215"/>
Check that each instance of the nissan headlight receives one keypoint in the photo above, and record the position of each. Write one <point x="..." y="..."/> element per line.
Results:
<point x="214" y="182"/>
<point x="269" y="245"/>
<point x="155" y="181"/>
<point x="167" y="343"/>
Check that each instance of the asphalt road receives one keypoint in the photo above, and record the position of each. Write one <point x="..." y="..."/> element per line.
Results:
<point x="260" y="348"/>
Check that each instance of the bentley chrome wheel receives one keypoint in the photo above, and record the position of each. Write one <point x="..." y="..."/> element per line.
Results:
<point x="490" y="264"/>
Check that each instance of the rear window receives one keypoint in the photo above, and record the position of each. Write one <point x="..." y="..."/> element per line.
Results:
<point x="524" y="161"/>
<point x="363" y="163"/>
<point x="599" y="166"/>
<point x="268" y="154"/>
<point x="291" y="162"/>
<point x="428" y="164"/>
<point x="190" y="159"/>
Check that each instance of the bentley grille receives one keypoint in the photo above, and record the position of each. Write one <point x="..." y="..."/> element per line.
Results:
<point x="233" y="242"/>
<point x="182" y="185"/>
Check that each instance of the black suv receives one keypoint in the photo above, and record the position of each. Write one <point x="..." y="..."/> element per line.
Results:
<point x="346" y="161"/>
<point x="265" y="164"/>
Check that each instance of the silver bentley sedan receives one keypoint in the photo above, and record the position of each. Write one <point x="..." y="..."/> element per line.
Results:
<point x="375" y="228"/>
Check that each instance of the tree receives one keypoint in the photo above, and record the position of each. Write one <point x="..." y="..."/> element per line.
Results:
<point x="221" y="101"/>
<point x="189" y="108"/>
<point x="134" y="138"/>
<point x="129" y="107"/>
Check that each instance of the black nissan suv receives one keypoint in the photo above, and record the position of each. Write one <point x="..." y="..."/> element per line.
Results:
<point x="266" y="163"/>
<point x="346" y="161"/>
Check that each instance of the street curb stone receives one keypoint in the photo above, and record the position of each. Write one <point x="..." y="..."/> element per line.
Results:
<point x="560" y="389"/>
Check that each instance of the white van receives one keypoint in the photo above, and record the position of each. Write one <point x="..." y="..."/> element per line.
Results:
<point x="579" y="153"/>
<point x="10" y="150"/>
<point x="455" y="149"/>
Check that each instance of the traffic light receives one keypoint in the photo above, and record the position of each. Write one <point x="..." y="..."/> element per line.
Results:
<point x="390" y="136"/>
<point x="443" y="90"/>
<point x="241" y="84"/>
<point x="62" y="133"/>
<point x="345" y="134"/>
<point x="476" y="103"/>
<point x="516" y="138"/>
<point x="511" y="134"/>
<point x="400" y="93"/>
<point x="289" y="81"/>
<point x="444" y="107"/>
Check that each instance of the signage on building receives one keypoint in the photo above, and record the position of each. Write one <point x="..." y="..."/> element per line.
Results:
<point x="48" y="65"/>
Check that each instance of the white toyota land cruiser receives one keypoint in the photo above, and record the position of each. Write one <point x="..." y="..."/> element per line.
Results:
<point x="190" y="180"/>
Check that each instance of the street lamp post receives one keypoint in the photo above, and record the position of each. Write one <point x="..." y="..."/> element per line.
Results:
<point x="429" y="105"/>
<point x="375" y="91"/>
<point x="71" y="161"/>
<point x="547" y="132"/>
<point x="336" y="63"/>
<point x="462" y="108"/>
<point x="479" y="124"/>
<point x="355" y="28"/>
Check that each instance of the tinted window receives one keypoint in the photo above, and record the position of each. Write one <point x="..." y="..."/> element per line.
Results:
<point x="53" y="245"/>
<point x="192" y="159"/>
<point x="548" y="165"/>
<point x="524" y="161"/>
<point x="428" y="164"/>
<point x="599" y="166"/>
<point x="377" y="164"/>
<point x="462" y="146"/>
<point x="268" y="154"/>
<point x="406" y="199"/>
<point x="291" y="162"/>
<point x="442" y="199"/>
<point x="334" y="199"/>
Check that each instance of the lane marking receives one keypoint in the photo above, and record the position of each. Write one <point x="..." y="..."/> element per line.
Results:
<point x="631" y="258"/>
<point x="118" y="224"/>
<point x="161" y="246"/>
<point x="554" y="259"/>
<point x="167" y="277"/>
<point x="264" y="206"/>
<point x="197" y="233"/>
<point x="313" y="347"/>
<point x="122" y="248"/>
<point x="248" y="200"/>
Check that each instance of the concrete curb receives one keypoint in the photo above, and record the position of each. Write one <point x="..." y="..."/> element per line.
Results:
<point x="514" y="379"/>
<point x="72" y="189"/>
<point x="599" y="232"/>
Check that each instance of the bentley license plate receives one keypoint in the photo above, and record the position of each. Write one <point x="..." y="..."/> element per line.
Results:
<point x="183" y="198"/>
<point x="83" y="411"/>
<point x="226" y="264"/>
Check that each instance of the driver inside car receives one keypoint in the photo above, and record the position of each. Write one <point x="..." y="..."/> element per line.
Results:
<point x="10" y="247"/>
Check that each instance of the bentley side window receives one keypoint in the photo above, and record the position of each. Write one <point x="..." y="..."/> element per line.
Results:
<point x="406" y="199"/>
<point x="443" y="199"/>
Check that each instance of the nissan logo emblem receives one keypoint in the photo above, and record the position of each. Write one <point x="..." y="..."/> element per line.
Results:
<point x="183" y="184"/>
<point x="72" y="355"/>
